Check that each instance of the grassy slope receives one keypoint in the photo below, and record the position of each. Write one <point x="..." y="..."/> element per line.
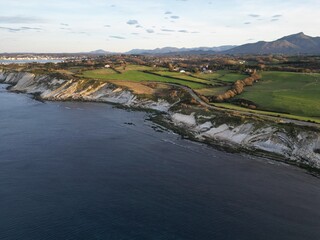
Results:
<point x="293" y="93"/>
<point x="267" y="113"/>
<point x="212" y="91"/>
<point x="135" y="73"/>
<point x="183" y="76"/>
<point x="137" y="76"/>
<point x="222" y="75"/>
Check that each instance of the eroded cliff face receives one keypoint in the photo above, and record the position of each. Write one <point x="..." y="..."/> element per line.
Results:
<point x="297" y="144"/>
<point x="49" y="88"/>
<point x="294" y="143"/>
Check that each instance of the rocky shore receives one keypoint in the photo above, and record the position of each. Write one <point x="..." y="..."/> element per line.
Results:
<point x="297" y="144"/>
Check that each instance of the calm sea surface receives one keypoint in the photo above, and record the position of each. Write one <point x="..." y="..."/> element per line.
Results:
<point x="90" y="171"/>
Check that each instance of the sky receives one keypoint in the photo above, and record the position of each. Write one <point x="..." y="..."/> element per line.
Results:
<point x="122" y="25"/>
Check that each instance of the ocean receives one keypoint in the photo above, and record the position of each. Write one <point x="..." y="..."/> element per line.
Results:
<point x="74" y="170"/>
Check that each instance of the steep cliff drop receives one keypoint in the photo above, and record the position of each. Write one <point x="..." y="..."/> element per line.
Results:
<point x="297" y="144"/>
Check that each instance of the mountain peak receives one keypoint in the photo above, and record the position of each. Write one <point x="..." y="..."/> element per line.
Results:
<point x="99" y="51"/>
<point x="298" y="43"/>
<point x="299" y="35"/>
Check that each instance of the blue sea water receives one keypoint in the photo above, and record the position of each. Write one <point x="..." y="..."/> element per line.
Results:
<point x="80" y="171"/>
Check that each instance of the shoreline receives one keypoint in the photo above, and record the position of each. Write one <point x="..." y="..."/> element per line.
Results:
<point x="159" y="119"/>
<point x="279" y="142"/>
<point x="227" y="147"/>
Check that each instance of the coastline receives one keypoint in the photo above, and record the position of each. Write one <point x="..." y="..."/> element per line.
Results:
<point x="297" y="145"/>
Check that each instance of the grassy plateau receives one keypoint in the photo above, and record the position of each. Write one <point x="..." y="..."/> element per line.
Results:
<point x="286" y="92"/>
<point x="283" y="94"/>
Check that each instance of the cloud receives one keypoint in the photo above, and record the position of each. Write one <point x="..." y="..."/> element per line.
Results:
<point x="274" y="20"/>
<point x="167" y="30"/>
<point x="149" y="30"/>
<point x="107" y="26"/>
<point x="132" y="22"/>
<point x="277" y="16"/>
<point x="183" y="31"/>
<point x="175" y="17"/>
<point x="195" y="32"/>
<point x="63" y="28"/>
<point x="11" y="29"/>
<point x="19" y="19"/>
<point x="30" y="28"/>
<point x="168" y="12"/>
<point x="254" y="15"/>
<point x="135" y="33"/>
<point x="64" y="24"/>
<point x="20" y="29"/>
<point x="138" y="26"/>
<point x="117" y="37"/>
<point x="247" y="23"/>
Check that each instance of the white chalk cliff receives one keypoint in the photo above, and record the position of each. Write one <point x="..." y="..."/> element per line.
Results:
<point x="298" y="144"/>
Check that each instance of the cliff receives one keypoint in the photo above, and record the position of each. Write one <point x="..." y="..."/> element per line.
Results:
<point x="294" y="143"/>
<point x="49" y="88"/>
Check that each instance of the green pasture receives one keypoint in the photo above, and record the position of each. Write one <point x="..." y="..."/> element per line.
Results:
<point x="222" y="75"/>
<point x="137" y="76"/>
<point x="286" y="92"/>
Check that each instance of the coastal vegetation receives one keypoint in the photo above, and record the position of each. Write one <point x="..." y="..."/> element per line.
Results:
<point x="286" y="92"/>
<point x="274" y="85"/>
<point x="138" y="76"/>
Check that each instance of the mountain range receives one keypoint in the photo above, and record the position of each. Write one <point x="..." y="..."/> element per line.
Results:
<point x="167" y="50"/>
<point x="290" y="45"/>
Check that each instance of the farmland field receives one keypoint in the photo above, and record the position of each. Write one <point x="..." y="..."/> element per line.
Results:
<point x="145" y="73"/>
<point x="277" y="92"/>
<point x="286" y="92"/>
<point x="137" y="76"/>
<point x="222" y="75"/>
<point x="267" y="113"/>
<point x="131" y="67"/>
<point x="183" y="76"/>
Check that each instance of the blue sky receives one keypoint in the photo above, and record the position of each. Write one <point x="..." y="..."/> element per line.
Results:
<point x="78" y="25"/>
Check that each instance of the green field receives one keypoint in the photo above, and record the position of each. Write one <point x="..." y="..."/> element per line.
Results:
<point x="145" y="73"/>
<point x="286" y="92"/>
<point x="222" y="75"/>
<point x="267" y="113"/>
<point x="183" y="76"/>
<point x="137" y="76"/>
<point x="130" y="67"/>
